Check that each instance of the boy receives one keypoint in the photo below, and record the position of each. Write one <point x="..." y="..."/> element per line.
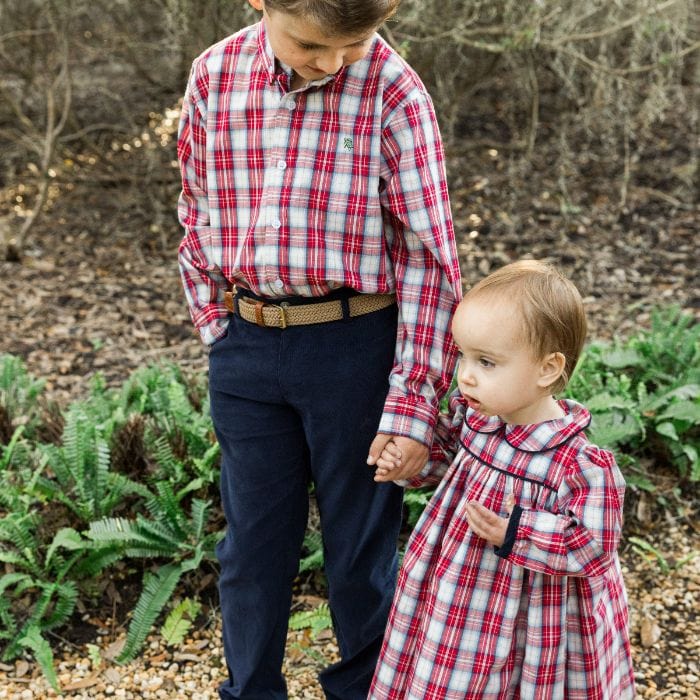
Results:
<point x="319" y="264"/>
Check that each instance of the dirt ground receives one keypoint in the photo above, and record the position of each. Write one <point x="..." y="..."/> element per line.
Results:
<point x="98" y="290"/>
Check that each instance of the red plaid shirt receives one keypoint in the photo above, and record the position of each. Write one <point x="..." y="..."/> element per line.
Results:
<point x="339" y="184"/>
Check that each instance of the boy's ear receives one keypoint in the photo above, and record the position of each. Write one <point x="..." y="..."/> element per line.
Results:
<point x="256" y="4"/>
<point x="551" y="368"/>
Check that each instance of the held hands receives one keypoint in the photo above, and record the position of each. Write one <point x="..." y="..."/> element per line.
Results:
<point x="396" y="457"/>
<point x="488" y="524"/>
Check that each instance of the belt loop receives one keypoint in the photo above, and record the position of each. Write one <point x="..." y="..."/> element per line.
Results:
<point x="345" y="305"/>
<point x="259" y="318"/>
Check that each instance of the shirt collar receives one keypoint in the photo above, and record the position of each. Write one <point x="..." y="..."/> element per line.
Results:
<point x="265" y="52"/>
<point x="536" y="437"/>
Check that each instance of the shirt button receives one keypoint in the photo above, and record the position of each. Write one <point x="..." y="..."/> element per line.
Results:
<point x="281" y="165"/>
<point x="276" y="223"/>
<point x="290" y="105"/>
<point x="279" y="284"/>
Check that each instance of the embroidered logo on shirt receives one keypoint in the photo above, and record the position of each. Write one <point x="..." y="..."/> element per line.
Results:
<point x="347" y="144"/>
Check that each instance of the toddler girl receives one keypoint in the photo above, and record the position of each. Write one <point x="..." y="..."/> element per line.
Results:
<point x="511" y="586"/>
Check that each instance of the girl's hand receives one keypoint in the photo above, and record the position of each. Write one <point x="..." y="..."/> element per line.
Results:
<point x="396" y="457"/>
<point x="486" y="523"/>
<point x="389" y="460"/>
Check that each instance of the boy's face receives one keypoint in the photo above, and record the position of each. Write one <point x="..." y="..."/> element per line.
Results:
<point x="497" y="372"/>
<point x="309" y="51"/>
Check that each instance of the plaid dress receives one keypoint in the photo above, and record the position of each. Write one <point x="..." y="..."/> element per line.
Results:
<point x="543" y="616"/>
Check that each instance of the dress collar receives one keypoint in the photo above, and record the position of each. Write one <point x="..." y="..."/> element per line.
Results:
<point x="536" y="437"/>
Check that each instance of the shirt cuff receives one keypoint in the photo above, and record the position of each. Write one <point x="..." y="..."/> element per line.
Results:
<point x="214" y="331"/>
<point x="513" y="523"/>
<point x="410" y="417"/>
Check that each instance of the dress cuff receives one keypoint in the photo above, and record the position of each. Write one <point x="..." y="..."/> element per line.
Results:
<point x="513" y="523"/>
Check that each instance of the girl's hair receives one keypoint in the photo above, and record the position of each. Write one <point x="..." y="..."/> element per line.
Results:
<point x="339" y="17"/>
<point x="551" y="308"/>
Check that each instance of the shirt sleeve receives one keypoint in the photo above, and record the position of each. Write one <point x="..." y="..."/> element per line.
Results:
<point x="421" y="244"/>
<point x="203" y="281"/>
<point x="582" y="538"/>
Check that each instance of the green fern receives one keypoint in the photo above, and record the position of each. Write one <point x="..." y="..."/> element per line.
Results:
<point x="33" y="639"/>
<point x="316" y="620"/>
<point x="157" y="590"/>
<point x="179" y="621"/>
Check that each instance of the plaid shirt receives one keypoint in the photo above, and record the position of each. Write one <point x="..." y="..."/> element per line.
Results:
<point x="338" y="184"/>
<point x="542" y="617"/>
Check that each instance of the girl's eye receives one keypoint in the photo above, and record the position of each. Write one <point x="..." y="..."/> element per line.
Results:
<point x="485" y="363"/>
<point x="306" y="47"/>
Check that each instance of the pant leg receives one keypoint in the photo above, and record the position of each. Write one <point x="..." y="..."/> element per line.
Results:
<point x="339" y="383"/>
<point x="264" y="491"/>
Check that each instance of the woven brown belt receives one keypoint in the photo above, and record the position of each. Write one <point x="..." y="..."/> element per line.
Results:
<point x="283" y="315"/>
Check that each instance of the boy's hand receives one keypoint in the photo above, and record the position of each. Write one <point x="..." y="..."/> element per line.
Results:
<point x="396" y="457"/>
<point x="486" y="523"/>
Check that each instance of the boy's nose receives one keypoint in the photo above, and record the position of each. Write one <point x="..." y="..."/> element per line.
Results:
<point x="330" y="63"/>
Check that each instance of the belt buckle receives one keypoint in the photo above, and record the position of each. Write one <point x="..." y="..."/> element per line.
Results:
<point x="283" y="313"/>
<point x="260" y="318"/>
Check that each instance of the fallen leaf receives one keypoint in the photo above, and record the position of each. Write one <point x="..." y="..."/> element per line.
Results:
<point x="83" y="682"/>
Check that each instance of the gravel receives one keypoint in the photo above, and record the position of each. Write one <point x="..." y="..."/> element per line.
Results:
<point x="664" y="621"/>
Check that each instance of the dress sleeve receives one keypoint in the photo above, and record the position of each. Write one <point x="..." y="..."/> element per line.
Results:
<point x="421" y="244"/>
<point x="581" y="539"/>
<point x="203" y="281"/>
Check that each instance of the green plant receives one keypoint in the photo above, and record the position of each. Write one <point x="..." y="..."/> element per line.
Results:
<point x="170" y="534"/>
<point x="644" y="392"/>
<point x="312" y="559"/>
<point x="316" y="620"/>
<point x="415" y="501"/>
<point x="19" y="393"/>
<point x="40" y="586"/>
<point x="80" y="475"/>
<point x="179" y="622"/>
<point x="650" y="553"/>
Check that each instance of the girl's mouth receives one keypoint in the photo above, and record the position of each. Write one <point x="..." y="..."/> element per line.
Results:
<point x="472" y="403"/>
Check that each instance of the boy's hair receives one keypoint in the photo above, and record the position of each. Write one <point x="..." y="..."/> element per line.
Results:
<point x="551" y="308"/>
<point x="339" y="17"/>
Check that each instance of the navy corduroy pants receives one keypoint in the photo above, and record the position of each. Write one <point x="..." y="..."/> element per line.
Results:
<point x="293" y="406"/>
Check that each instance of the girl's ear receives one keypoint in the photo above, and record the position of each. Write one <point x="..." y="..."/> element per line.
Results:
<point x="256" y="4"/>
<point x="551" y="368"/>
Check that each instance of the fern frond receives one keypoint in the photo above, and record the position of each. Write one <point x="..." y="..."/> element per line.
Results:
<point x="316" y="620"/>
<point x="100" y="478"/>
<point x="32" y="639"/>
<point x="179" y="621"/>
<point x="97" y="561"/>
<point x="166" y="509"/>
<point x="200" y="513"/>
<point x="66" y="595"/>
<point x="156" y="592"/>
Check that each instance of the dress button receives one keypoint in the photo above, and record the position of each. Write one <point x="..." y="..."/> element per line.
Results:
<point x="290" y="105"/>
<point x="276" y="223"/>
<point x="279" y="284"/>
<point x="281" y="165"/>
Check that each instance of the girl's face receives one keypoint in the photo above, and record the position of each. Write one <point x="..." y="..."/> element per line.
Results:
<point x="498" y="373"/>
<point x="304" y="47"/>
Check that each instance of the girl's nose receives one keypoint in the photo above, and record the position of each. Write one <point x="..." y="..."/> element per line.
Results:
<point x="464" y="373"/>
